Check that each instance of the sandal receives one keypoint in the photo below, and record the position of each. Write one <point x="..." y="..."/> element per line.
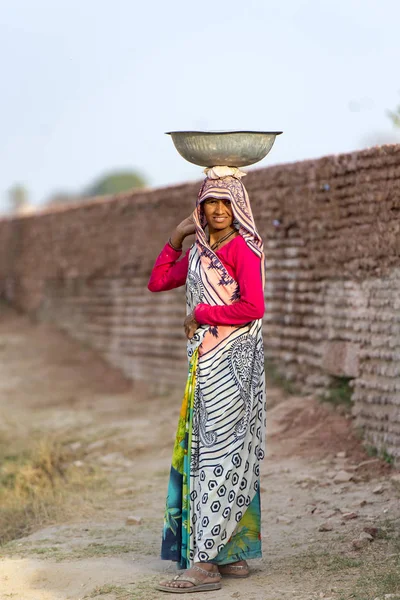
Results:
<point x="232" y="570"/>
<point x="197" y="586"/>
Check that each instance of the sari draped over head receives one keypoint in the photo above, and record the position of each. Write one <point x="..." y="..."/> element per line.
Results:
<point x="213" y="503"/>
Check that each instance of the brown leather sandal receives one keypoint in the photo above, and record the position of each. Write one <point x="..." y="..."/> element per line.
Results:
<point x="197" y="586"/>
<point x="237" y="571"/>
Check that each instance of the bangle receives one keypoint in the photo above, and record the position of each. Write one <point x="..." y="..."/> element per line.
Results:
<point x="173" y="247"/>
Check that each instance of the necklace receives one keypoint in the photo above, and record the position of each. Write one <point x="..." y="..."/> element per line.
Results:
<point x="219" y="242"/>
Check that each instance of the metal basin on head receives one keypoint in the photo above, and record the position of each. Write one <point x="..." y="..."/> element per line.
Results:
<point x="223" y="148"/>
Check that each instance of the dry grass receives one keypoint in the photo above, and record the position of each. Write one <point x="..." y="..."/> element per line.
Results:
<point x="117" y="591"/>
<point x="365" y="575"/>
<point x="141" y="590"/>
<point x="37" y="477"/>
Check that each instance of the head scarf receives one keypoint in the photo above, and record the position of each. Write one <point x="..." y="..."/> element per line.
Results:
<point x="227" y="188"/>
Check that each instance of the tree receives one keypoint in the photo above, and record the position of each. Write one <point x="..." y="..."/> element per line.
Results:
<point x="394" y="116"/>
<point x="113" y="183"/>
<point x="385" y="137"/>
<point x="18" y="197"/>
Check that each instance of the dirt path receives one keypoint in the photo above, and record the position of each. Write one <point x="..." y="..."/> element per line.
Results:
<point x="50" y="383"/>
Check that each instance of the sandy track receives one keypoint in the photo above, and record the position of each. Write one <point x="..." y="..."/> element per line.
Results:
<point x="54" y="384"/>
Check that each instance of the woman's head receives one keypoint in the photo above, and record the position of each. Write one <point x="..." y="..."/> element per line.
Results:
<point x="234" y="202"/>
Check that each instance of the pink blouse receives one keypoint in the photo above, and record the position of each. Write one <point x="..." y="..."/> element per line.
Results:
<point x="240" y="262"/>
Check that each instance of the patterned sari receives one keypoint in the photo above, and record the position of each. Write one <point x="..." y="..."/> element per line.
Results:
<point x="213" y="502"/>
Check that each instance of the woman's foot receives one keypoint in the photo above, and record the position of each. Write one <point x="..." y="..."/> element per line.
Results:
<point x="200" y="577"/>
<point x="239" y="569"/>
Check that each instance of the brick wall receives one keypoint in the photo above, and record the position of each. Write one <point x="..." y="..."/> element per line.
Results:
<point x="332" y="239"/>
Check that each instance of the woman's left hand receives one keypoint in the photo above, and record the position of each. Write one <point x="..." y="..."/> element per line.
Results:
<point x="190" y="324"/>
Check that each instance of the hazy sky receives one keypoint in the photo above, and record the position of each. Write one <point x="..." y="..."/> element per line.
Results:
<point x="90" y="86"/>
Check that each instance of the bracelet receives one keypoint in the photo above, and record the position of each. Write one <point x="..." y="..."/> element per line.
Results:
<point x="173" y="247"/>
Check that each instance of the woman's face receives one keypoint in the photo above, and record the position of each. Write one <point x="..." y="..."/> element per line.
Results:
<point x="218" y="213"/>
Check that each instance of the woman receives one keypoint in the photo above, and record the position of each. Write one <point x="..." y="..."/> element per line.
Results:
<point x="212" y="518"/>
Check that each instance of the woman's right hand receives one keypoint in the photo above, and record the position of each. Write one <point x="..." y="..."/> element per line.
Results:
<point x="185" y="228"/>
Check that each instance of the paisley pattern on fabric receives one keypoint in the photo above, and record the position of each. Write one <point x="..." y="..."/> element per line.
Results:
<point x="194" y="288"/>
<point x="213" y="504"/>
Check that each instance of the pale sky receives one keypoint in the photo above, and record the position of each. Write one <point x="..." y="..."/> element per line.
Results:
<point x="89" y="86"/>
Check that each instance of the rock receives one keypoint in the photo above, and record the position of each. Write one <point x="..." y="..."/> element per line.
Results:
<point x="343" y="477"/>
<point x="342" y="454"/>
<point x="78" y="463"/>
<point x="96" y="445"/>
<point x="115" y="459"/>
<point x="373" y="531"/>
<point x="363" y="540"/>
<point x="133" y="520"/>
<point x="348" y="516"/>
<point x="75" y="446"/>
<point x="125" y="491"/>
<point x="109" y="459"/>
<point x="395" y="478"/>
<point x="361" y="503"/>
<point x="330" y="514"/>
<point x="368" y="462"/>
<point x="365" y="536"/>
<point x="283" y="519"/>
<point x="325" y="526"/>
<point x="308" y="479"/>
<point x="379" y="489"/>
<point x="360" y="543"/>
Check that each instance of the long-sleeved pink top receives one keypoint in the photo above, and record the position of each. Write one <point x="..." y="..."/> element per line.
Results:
<point x="240" y="262"/>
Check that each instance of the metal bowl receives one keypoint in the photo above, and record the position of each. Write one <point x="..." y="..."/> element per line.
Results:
<point x="223" y="148"/>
